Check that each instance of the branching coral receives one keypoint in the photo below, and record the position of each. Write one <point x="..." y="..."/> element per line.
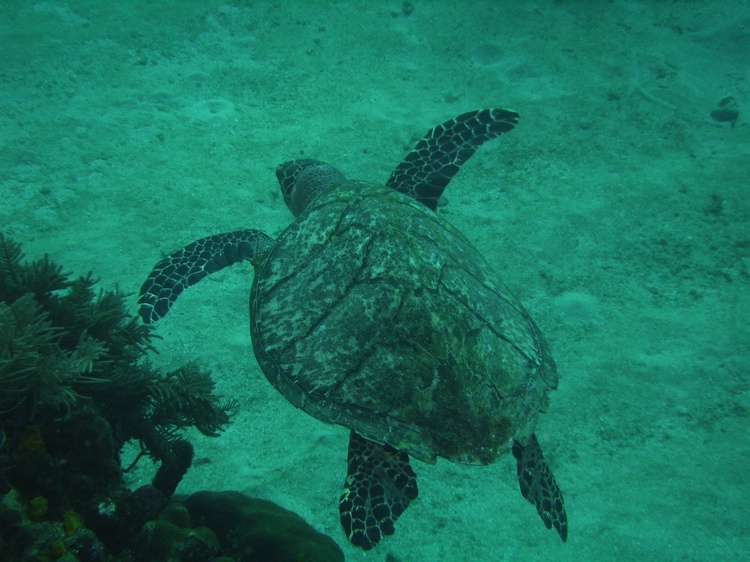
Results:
<point x="65" y="349"/>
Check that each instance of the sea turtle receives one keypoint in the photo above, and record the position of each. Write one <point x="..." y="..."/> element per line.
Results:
<point x="372" y="312"/>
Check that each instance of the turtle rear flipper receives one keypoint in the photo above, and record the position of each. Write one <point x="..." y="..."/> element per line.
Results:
<point x="538" y="485"/>
<point x="185" y="267"/>
<point x="426" y="171"/>
<point x="379" y="486"/>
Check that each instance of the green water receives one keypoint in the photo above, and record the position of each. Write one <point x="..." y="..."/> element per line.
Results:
<point x="618" y="211"/>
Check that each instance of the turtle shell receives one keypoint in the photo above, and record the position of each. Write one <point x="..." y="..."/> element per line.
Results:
<point x="372" y="312"/>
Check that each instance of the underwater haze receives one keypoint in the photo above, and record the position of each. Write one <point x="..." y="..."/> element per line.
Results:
<point x="617" y="210"/>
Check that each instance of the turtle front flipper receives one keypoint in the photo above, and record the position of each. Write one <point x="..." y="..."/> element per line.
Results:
<point x="185" y="267"/>
<point x="538" y="485"/>
<point x="379" y="486"/>
<point x="427" y="170"/>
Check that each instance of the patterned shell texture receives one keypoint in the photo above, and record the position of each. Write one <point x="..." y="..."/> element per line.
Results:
<point x="372" y="312"/>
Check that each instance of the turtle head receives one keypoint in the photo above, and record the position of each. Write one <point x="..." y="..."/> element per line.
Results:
<point x="303" y="180"/>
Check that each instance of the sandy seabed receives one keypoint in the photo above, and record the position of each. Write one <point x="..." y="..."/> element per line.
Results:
<point x="618" y="211"/>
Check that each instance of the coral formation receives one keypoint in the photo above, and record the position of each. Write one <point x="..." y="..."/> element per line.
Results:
<point x="259" y="530"/>
<point x="75" y="386"/>
<point x="66" y="347"/>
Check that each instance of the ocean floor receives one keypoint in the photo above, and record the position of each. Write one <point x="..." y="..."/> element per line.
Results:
<point x="618" y="211"/>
